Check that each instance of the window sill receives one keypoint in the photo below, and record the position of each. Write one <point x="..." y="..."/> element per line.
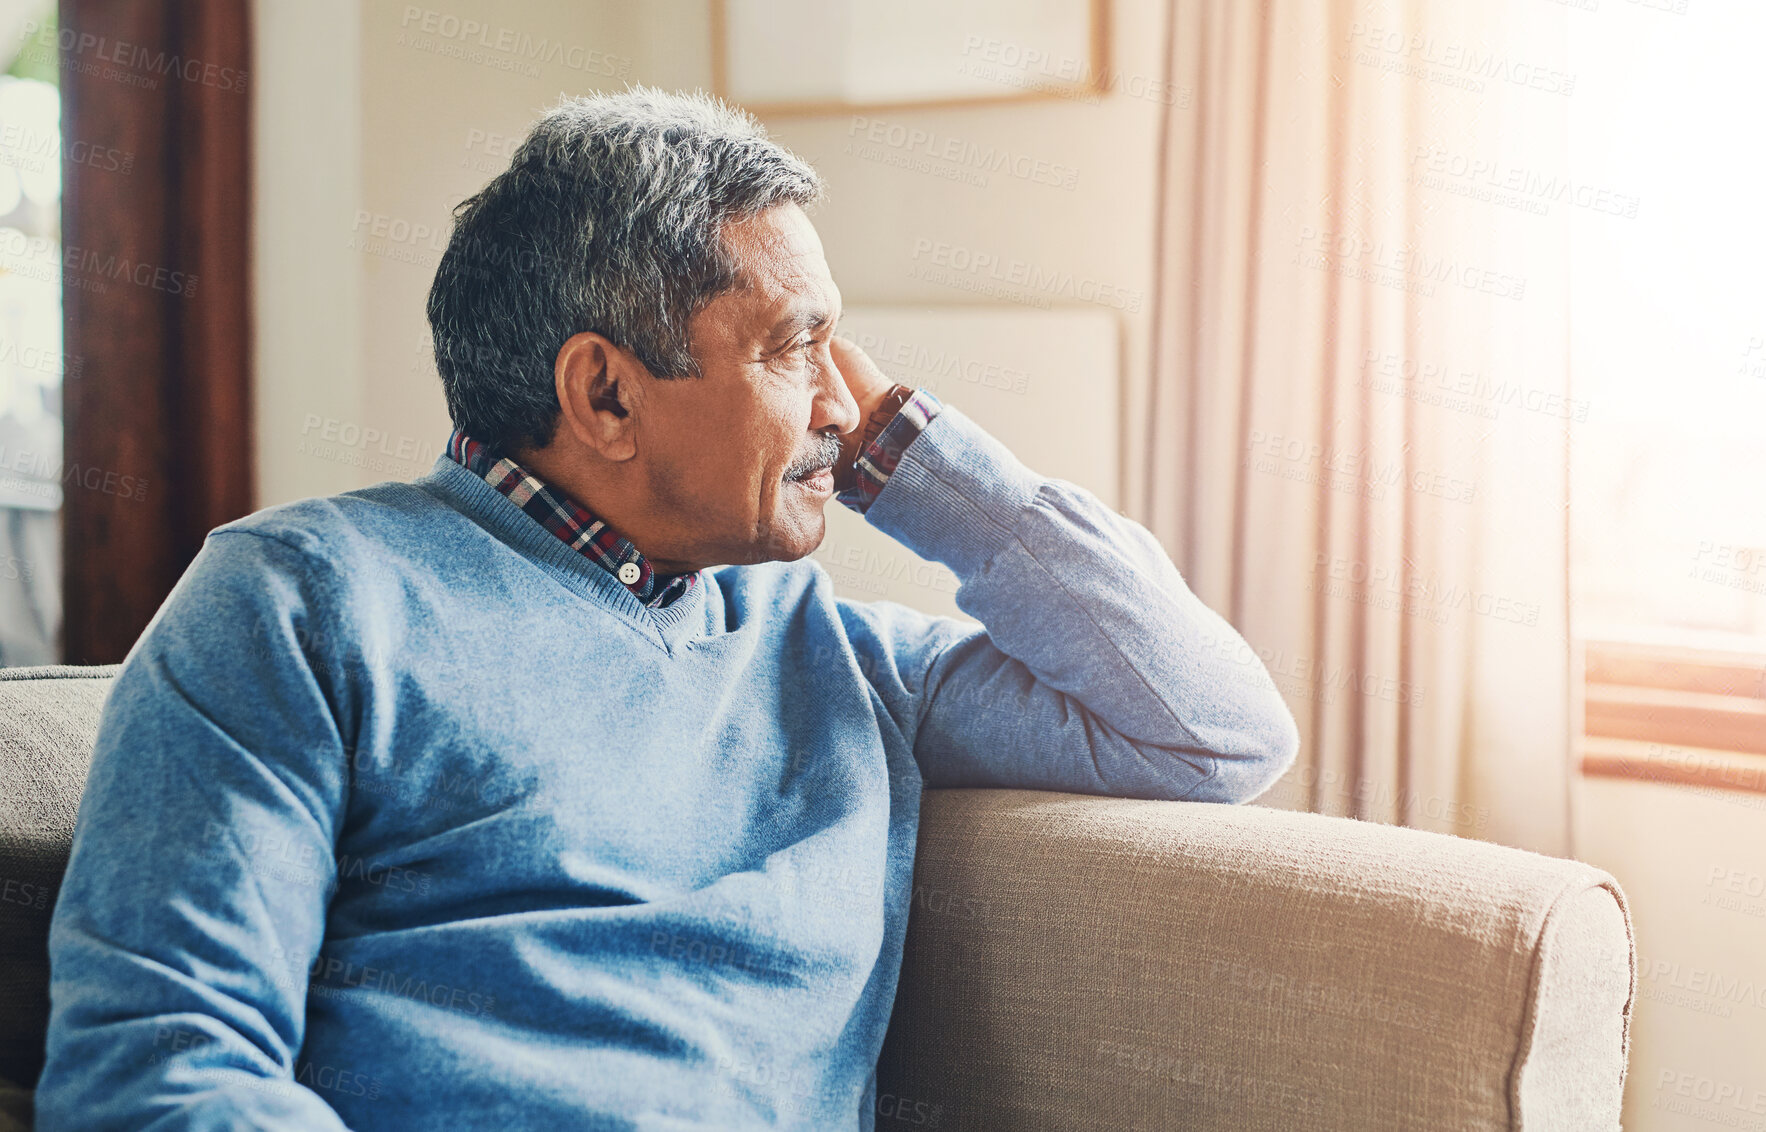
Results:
<point x="1676" y="714"/>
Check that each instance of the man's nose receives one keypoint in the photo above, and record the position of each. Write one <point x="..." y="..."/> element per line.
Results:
<point x="834" y="403"/>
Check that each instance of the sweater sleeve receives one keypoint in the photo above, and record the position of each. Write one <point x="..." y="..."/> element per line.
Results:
<point x="1094" y="669"/>
<point x="195" y="897"/>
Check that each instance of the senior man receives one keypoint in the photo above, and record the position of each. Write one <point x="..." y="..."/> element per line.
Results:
<point x="556" y="789"/>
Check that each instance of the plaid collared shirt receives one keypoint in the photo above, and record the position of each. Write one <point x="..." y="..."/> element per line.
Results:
<point x="592" y="537"/>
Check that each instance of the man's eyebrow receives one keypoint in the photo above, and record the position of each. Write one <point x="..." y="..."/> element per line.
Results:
<point x="799" y="320"/>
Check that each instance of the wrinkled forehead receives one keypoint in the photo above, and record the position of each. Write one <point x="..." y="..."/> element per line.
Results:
<point x="783" y="284"/>
<point x="778" y="254"/>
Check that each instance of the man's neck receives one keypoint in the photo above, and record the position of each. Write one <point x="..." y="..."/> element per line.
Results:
<point x="608" y="503"/>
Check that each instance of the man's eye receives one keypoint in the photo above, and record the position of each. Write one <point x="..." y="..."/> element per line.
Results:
<point x="807" y="345"/>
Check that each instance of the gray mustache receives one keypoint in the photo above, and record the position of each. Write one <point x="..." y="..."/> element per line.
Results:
<point x="823" y="456"/>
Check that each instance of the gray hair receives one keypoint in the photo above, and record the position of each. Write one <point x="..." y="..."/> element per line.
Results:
<point x="608" y="219"/>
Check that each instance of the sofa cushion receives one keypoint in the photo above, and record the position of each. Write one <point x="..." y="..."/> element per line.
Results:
<point x="48" y="721"/>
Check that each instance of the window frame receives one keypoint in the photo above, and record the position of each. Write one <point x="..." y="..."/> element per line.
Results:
<point x="1676" y="713"/>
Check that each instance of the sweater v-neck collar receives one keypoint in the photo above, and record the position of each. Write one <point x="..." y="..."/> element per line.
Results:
<point x="571" y="521"/>
<point x="668" y="627"/>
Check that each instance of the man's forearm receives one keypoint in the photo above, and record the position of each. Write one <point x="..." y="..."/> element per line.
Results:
<point x="1096" y="615"/>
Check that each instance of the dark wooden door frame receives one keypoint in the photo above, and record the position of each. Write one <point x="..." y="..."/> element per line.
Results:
<point x="157" y="302"/>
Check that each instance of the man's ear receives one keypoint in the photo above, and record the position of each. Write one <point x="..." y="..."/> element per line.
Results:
<point x="600" y="390"/>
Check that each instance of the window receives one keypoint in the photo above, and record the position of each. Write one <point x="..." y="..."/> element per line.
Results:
<point x="1668" y="341"/>
<point x="1669" y="325"/>
<point x="32" y="362"/>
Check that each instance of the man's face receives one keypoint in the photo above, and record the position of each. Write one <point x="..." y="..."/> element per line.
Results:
<point x="726" y="455"/>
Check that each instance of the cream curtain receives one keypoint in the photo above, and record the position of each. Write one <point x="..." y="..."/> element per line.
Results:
<point x="1353" y="438"/>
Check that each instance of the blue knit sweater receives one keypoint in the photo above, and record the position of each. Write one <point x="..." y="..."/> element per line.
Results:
<point x="405" y="816"/>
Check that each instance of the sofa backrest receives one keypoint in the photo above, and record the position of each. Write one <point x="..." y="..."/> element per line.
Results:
<point x="48" y="721"/>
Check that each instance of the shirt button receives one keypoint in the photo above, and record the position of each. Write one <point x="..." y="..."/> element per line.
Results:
<point x="628" y="573"/>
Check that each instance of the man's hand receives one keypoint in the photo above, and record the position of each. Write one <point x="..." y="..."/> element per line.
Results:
<point x="867" y="384"/>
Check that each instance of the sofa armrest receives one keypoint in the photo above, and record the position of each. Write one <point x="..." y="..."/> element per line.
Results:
<point x="1077" y="962"/>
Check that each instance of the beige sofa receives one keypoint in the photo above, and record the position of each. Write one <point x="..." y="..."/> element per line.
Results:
<point x="1088" y="963"/>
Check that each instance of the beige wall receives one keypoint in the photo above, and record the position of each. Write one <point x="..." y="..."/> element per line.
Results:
<point x="1693" y="864"/>
<point x="371" y="129"/>
<point x="306" y="280"/>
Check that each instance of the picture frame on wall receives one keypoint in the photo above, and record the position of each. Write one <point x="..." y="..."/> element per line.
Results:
<point x="785" y="57"/>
